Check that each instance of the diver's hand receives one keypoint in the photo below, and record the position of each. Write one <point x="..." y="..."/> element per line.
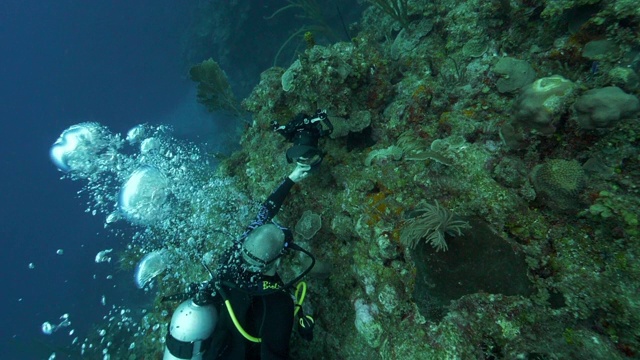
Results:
<point x="300" y="172"/>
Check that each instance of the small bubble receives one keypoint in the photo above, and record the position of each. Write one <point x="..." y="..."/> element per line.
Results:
<point x="48" y="328"/>
<point x="103" y="256"/>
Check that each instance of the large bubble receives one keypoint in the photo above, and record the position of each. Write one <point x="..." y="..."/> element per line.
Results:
<point x="151" y="265"/>
<point x="144" y="196"/>
<point x="79" y="148"/>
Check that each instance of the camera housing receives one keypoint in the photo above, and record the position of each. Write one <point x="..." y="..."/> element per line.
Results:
<point x="304" y="131"/>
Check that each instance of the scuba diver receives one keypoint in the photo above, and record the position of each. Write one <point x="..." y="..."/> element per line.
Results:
<point x="259" y="297"/>
<point x="246" y="311"/>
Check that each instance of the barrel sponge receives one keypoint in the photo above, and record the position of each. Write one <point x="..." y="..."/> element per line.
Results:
<point x="541" y="103"/>
<point x="602" y="108"/>
<point x="559" y="182"/>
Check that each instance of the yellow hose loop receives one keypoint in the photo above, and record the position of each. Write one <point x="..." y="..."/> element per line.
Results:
<point x="238" y="326"/>
<point x="300" y="298"/>
<point x="300" y="293"/>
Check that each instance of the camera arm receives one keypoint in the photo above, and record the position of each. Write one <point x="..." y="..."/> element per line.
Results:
<point x="321" y="116"/>
<point x="304" y="122"/>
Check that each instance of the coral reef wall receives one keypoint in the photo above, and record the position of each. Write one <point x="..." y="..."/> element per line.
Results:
<point x="480" y="106"/>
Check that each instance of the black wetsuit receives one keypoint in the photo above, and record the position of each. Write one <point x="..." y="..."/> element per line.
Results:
<point x="260" y="303"/>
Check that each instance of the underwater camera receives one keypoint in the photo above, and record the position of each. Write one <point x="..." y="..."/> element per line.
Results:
<point x="304" y="131"/>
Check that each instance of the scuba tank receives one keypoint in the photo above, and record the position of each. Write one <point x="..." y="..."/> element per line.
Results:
<point x="192" y="324"/>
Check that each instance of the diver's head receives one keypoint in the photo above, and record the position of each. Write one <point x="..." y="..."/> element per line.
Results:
<point x="262" y="247"/>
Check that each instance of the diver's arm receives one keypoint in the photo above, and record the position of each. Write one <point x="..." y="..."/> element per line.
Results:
<point x="276" y="199"/>
<point x="272" y="205"/>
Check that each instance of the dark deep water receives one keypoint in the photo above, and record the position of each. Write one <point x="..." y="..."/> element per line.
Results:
<point x="65" y="62"/>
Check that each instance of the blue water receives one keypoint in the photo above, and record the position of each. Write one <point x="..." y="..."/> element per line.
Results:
<point x="64" y="62"/>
